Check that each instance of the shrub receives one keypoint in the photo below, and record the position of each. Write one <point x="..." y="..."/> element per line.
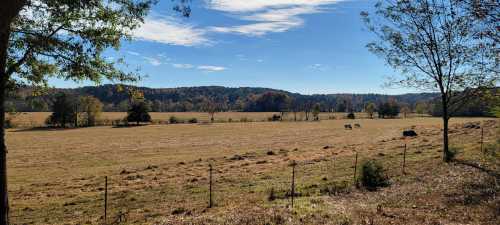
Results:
<point x="8" y="123"/>
<point x="193" y="120"/>
<point x="452" y="153"/>
<point x="139" y="112"/>
<point x="372" y="175"/>
<point x="351" y="116"/>
<point x="174" y="120"/>
<point x="274" y="118"/>
<point x="272" y="195"/>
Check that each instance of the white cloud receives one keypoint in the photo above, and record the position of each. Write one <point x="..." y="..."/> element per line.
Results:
<point x="208" y="68"/>
<point x="256" y="5"/>
<point x="133" y="53"/>
<point x="266" y="16"/>
<point x="182" y="66"/>
<point x="152" y="61"/>
<point x="170" y="31"/>
<point x="318" y="66"/>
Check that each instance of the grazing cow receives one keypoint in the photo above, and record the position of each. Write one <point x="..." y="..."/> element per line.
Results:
<point x="409" y="133"/>
<point x="357" y="125"/>
<point x="348" y="126"/>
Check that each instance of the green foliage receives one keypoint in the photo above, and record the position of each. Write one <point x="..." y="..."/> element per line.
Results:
<point x="174" y="120"/>
<point x="92" y="108"/>
<point x="193" y="98"/>
<point x="370" y="109"/>
<point x="315" y="111"/>
<point x="372" y="175"/>
<point x="67" y="39"/>
<point x="193" y="120"/>
<point x="64" y="111"/>
<point x="451" y="154"/>
<point x="388" y="109"/>
<point x="139" y="112"/>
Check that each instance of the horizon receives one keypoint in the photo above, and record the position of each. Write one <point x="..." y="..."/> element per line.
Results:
<point x="306" y="47"/>
<point x="236" y="87"/>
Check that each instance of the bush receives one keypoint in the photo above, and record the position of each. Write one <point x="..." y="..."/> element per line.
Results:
<point x="351" y="116"/>
<point x="174" y="120"/>
<point x="193" y="120"/>
<point x="452" y="153"/>
<point x="372" y="175"/>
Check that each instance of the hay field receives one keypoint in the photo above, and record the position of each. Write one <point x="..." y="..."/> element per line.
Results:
<point x="158" y="173"/>
<point x="37" y="119"/>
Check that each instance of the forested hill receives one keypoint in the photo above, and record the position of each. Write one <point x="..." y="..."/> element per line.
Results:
<point x="116" y="98"/>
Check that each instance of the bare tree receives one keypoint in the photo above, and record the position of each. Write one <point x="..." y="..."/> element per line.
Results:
<point x="435" y="46"/>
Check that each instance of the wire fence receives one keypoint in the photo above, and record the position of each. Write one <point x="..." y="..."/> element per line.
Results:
<point x="329" y="174"/>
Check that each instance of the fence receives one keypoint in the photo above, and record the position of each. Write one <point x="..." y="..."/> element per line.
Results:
<point x="329" y="174"/>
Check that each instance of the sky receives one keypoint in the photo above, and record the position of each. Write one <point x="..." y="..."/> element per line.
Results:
<point x="303" y="46"/>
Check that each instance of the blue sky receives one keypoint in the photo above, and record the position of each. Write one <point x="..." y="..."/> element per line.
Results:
<point x="305" y="46"/>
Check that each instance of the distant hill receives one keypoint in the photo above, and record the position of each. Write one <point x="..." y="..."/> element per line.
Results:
<point x="116" y="98"/>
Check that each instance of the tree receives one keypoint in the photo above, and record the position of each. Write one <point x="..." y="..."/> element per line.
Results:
<point x="50" y="38"/>
<point x="315" y="111"/>
<point x="405" y="109"/>
<point x="421" y="107"/>
<point x="435" y="47"/>
<point x="139" y="112"/>
<point x="210" y="107"/>
<point x="370" y="109"/>
<point x="63" y="111"/>
<point x="388" y="109"/>
<point x="92" y="108"/>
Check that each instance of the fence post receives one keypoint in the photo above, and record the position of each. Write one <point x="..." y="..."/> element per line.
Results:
<point x="355" y="167"/>
<point x="404" y="159"/>
<point x="105" y="199"/>
<point x="482" y="137"/>
<point x="333" y="169"/>
<point x="210" y="203"/>
<point x="293" y="181"/>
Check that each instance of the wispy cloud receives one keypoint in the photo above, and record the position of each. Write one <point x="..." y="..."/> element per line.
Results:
<point x="318" y="67"/>
<point x="182" y="66"/>
<point x="168" y="30"/>
<point x="266" y="16"/>
<point x="208" y="68"/>
<point x="152" y="61"/>
<point x="133" y="53"/>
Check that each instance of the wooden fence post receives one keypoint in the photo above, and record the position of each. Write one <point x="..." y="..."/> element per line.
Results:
<point x="482" y="137"/>
<point x="333" y="169"/>
<point x="355" y="167"/>
<point x="404" y="159"/>
<point x="210" y="203"/>
<point x="293" y="181"/>
<point x="105" y="199"/>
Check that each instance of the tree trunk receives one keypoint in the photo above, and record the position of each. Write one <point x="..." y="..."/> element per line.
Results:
<point x="446" y="153"/>
<point x="4" y="199"/>
<point x="9" y="9"/>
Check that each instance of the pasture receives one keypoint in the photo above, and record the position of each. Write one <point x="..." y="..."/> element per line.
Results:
<point x="36" y="119"/>
<point x="158" y="174"/>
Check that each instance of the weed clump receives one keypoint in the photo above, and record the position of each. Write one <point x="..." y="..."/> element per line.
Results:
<point x="174" y="120"/>
<point x="372" y="175"/>
<point x="451" y="154"/>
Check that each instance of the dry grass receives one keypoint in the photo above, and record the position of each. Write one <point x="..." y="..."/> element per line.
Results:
<point x="158" y="173"/>
<point x="36" y="119"/>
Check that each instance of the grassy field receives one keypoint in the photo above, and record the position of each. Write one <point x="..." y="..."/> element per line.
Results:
<point x="158" y="173"/>
<point x="36" y="119"/>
